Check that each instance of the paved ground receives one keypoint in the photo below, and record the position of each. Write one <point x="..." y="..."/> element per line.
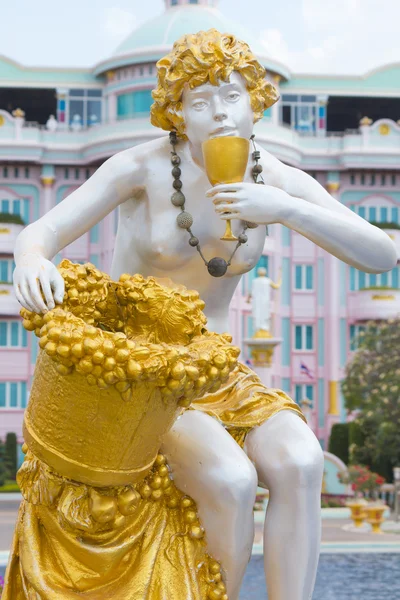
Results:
<point x="340" y="576"/>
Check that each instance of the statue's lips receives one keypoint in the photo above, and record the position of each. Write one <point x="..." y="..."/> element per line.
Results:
<point x="223" y="132"/>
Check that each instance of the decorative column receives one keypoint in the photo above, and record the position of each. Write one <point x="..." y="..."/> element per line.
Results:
<point x="333" y="318"/>
<point x="47" y="178"/>
<point x="62" y="108"/>
<point x="19" y="119"/>
<point x="275" y="108"/>
<point x="322" y="100"/>
<point x="365" y="125"/>
<point x="111" y="99"/>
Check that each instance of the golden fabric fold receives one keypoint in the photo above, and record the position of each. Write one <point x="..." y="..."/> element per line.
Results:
<point x="243" y="403"/>
<point x="156" y="553"/>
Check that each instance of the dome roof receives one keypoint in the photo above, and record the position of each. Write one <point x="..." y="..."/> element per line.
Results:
<point x="155" y="38"/>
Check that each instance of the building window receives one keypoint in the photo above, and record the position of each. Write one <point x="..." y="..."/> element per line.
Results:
<point x="304" y="277"/>
<point x="13" y="394"/>
<point x="300" y="112"/>
<point x="393" y="179"/>
<point x="360" y="280"/>
<point x="27" y="174"/>
<point x="352" y="179"/>
<point x="84" y="107"/>
<point x="174" y="2"/>
<point x="355" y="331"/>
<point x="135" y="104"/>
<point x="304" y="338"/>
<point x="66" y="174"/>
<point x="193" y="1"/>
<point x="377" y="214"/>
<point x="12" y="334"/>
<point x="7" y="267"/>
<point x="303" y="391"/>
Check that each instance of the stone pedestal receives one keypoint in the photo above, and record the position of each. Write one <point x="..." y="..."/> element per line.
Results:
<point x="262" y="346"/>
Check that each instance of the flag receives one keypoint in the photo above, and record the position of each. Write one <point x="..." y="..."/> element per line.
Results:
<point x="306" y="371"/>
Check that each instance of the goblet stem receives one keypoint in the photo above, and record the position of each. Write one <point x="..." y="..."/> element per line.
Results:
<point x="228" y="235"/>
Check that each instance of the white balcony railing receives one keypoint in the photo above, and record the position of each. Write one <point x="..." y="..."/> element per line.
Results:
<point x="8" y="235"/>
<point x="378" y="303"/>
<point x="9" y="305"/>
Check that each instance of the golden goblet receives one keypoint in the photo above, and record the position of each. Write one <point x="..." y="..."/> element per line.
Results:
<point x="225" y="160"/>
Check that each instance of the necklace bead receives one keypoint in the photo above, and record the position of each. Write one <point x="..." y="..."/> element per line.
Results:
<point x="217" y="267"/>
<point x="178" y="199"/>
<point x="194" y="241"/>
<point x="176" y="172"/>
<point x="176" y="160"/>
<point x="184" y="220"/>
<point x="177" y="184"/>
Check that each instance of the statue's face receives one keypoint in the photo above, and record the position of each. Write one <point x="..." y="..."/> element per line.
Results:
<point x="218" y="110"/>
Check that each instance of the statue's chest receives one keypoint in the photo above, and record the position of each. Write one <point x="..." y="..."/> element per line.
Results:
<point x="158" y="239"/>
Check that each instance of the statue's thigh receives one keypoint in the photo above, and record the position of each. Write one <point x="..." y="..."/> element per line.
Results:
<point x="207" y="463"/>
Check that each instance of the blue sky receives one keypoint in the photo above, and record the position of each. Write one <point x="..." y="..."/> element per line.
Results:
<point x="326" y="36"/>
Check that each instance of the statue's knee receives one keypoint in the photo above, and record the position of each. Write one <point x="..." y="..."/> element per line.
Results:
<point x="235" y="483"/>
<point x="293" y="464"/>
<point x="305" y="467"/>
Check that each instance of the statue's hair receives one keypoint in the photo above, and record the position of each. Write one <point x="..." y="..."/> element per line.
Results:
<point x="207" y="56"/>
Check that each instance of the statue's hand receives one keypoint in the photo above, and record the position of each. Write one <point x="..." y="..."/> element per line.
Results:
<point x="34" y="276"/>
<point x="262" y="204"/>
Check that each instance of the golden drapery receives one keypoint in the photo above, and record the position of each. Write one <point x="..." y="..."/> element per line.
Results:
<point x="243" y="403"/>
<point x="60" y="552"/>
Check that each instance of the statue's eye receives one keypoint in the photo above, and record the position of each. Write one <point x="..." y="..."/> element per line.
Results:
<point x="200" y="104"/>
<point x="233" y="96"/>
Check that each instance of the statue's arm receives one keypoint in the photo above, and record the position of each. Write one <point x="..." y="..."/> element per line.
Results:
<point x="113" y="183"/>
<point x="315" y="214"/>
<point x="117" y="180"/>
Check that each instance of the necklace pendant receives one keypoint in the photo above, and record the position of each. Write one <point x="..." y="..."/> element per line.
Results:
<point x="217" y="267"/>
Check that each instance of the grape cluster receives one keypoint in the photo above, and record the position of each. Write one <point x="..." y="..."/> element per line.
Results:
<point x="192" y="363"/>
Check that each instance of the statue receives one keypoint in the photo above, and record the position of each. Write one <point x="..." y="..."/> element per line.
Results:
<point x="210" y="86"/>
<point x="52" y="123"/>
<point x="261" y="300"/>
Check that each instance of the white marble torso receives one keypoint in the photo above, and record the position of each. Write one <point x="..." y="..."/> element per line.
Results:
<point x="150" y="242"/>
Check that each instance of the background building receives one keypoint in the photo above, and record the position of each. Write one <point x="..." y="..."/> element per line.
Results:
<point x="343" y="130"/>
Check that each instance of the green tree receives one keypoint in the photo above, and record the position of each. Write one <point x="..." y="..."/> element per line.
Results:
<point x="3" y="469"/>
<point x="339" y="441"/>
<point x="372" y="388"/>
<point x="11" y="455"/>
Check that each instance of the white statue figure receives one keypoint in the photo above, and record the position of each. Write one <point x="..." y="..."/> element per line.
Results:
<point x="52" y="123"/>
<point x="222" y="93"/>
<point x="76" y="123"/>
<point x="261" y="300"/>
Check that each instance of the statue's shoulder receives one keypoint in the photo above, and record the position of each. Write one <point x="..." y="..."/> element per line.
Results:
<point x="142" y="153"/>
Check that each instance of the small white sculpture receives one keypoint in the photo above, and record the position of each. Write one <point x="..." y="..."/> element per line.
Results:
<point x="76" y="124"/>
<point x="52" y="123"/>
<point x="261" y="300"/>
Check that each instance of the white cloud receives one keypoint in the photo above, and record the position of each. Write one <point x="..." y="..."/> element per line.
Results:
<point x="118" y="23"/>
<point x="342" y="36"/>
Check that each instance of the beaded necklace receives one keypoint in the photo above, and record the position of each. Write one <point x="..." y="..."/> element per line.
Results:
<point x="217" y="266"/>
